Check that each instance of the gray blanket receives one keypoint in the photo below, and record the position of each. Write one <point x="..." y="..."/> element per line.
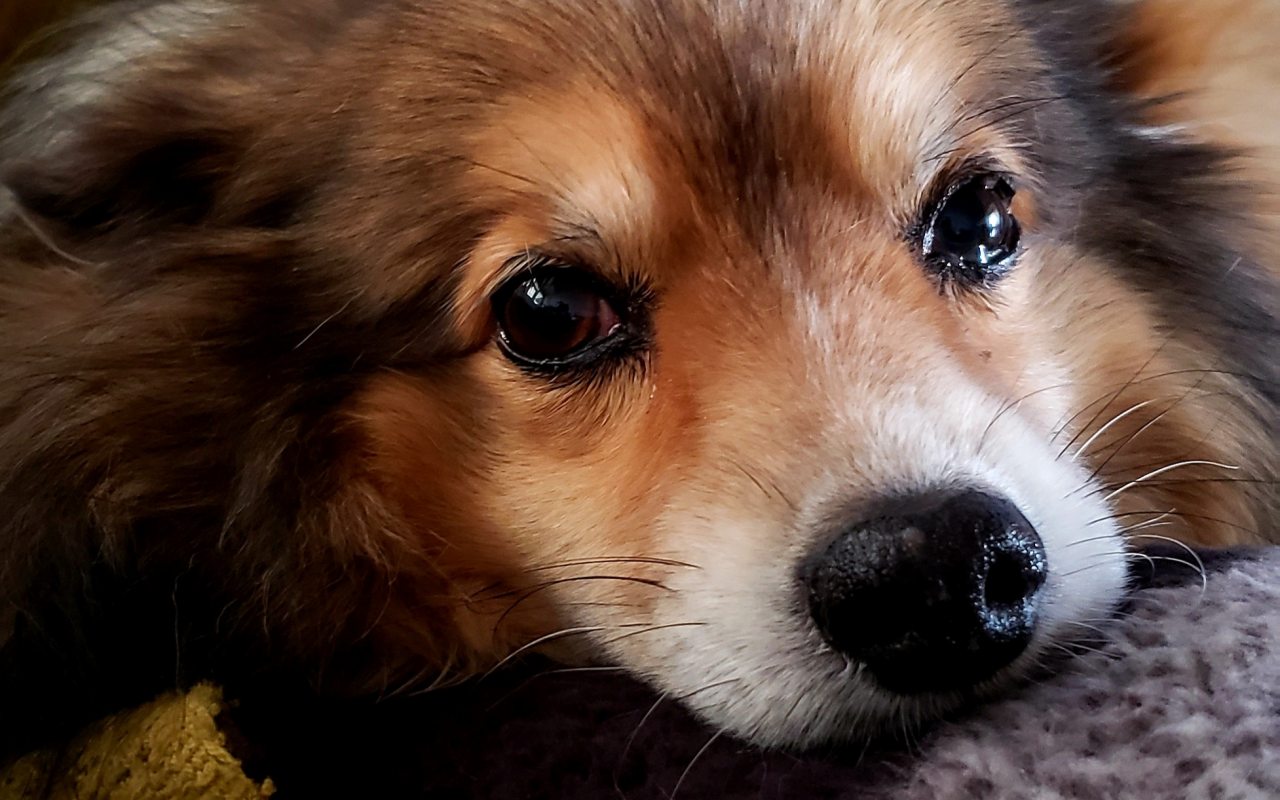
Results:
<point x="1183" y="701"/>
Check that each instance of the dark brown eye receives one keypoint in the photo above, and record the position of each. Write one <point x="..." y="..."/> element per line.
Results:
<point x="972" y="233"/>
<point x="553" y="315"/>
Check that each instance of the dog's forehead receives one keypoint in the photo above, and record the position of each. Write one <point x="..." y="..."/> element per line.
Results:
<point x="756" y="107"/>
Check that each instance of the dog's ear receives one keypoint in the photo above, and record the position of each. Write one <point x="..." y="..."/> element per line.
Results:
<point x="1200" y="62"/>
<point x="143" y="121"/>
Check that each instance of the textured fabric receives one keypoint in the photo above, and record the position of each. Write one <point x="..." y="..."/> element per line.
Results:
<point x="171" y="749"/>
<point x="1183" y="703"/>
<point x="1187" y="704"/>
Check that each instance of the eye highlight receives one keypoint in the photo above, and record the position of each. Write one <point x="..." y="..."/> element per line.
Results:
<point x="971" y="234"/>
<point x="555" y="316"/>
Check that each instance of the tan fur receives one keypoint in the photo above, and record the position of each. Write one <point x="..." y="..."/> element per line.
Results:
<point x="763" y="180"/>
<point x="1219" y="67"/>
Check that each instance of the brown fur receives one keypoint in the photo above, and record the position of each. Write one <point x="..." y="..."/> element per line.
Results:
<point x="245" y="320"/>
<point x="21" y="22"/>
<point x="1214" y="68"/>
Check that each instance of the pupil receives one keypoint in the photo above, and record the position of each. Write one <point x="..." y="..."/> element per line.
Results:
<point x="974" y="225"/>
<point x="546" y="320"/>
<point x="961" y="223"/>
<point x="971" y="219"/>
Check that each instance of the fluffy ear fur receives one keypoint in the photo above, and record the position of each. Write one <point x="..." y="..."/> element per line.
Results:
<point x="149" y="120"/>
<point x="1210" y="70"/>
<point x="1207" y="75"/>
<point x="116" y="130"/>
<point x="172" y="459"/>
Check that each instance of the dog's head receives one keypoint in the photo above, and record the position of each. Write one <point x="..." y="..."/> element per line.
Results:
<point x="807" y="360"/>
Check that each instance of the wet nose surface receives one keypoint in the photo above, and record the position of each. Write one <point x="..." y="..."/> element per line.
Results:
<point x="936" y="592"/>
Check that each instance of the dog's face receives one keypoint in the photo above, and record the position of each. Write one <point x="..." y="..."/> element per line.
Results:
<point x="778" y="354"/>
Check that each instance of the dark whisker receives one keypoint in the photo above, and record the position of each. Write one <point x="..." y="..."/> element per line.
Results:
<point x="484" y="593"/>
<point x="664" y="562"/>
<point x="550" y="584"/>
<point x="653" y="628"/>
<point x="773" y="491"/>
<point x="547" y="584"/>
<point x="1022" y="107"/>
<point x="505" y="173"/>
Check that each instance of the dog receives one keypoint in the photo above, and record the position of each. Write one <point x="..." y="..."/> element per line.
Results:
<point x="821" y="364"/>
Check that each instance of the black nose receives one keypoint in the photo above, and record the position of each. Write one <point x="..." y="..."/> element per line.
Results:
<point x="935" y="592"/>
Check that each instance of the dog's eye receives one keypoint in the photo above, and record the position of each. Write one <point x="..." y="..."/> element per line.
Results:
<point x="553" y="315"/>
<point x="972" y="232"/>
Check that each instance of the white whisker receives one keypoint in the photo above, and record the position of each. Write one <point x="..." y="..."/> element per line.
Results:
<point x="696" y="756"/>
<point x="1158" y="472"/>
<point x="1199" y="563"/>
<point x="1084" y="448"/>
<point x="560" y="634"/>
<point x="1158" y="522"/>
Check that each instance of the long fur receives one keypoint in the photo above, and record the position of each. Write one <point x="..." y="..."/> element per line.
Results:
<point x="249" y="429"/>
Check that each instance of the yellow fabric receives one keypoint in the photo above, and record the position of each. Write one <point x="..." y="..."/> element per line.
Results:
<point x="169" y="749"/>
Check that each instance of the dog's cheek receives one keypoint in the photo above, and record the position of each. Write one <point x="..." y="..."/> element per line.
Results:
<point x="581" y="485"/>
<point x="462" y="592"/>
<point x="1134" y="406"/>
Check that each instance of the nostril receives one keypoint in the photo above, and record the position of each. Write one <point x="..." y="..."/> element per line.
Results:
<point x="1009" y="581"/>
<point x="1015" y="569"/>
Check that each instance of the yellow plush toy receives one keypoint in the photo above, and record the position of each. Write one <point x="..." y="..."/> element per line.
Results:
<point x="169" y="749"/>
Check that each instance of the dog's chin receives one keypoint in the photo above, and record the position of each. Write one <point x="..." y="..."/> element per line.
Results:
<point x="803" y="694"/>
<point x="838" y="702"/>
